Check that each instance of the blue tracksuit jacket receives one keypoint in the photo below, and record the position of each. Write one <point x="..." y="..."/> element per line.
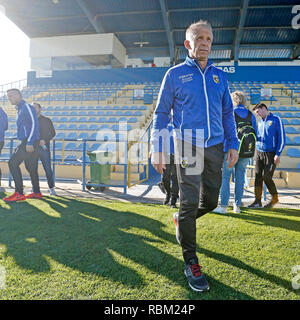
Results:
<point x="198" y="100"/>
<point x="3" y="124"/>
<point x="270" y="135"/>
<point x="27" y="123"/>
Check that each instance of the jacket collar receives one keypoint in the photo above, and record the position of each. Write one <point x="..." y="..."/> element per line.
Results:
<point x="20" y="104"/>
<point x="194" y="62"/>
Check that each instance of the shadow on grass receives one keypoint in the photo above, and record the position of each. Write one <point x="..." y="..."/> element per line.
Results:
<point x="278" y="221"/>
<point x="91" y="238"/>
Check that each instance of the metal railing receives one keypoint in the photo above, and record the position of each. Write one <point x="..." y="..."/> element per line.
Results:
<point x="125" y="160"/>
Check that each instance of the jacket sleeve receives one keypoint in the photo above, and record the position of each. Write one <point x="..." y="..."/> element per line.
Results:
<point x="254" y="125"/>
<point x="280" y="137"/>
<point x="228" y="120"/>
<point x="33" y="124"/>
<point x="162" y="111"/>
<point x="51" y="130"/>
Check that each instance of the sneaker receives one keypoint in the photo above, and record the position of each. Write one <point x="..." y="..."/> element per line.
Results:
<point x="195" y="277"/>
<point x="271" y="203"/>
<point x="175" y="218"/>
<point x="255" y="204"/>
<point x="52" y="192"/>
<point x="15" y="197"/>
<point x="236" y="209"/>
<point x="220" y="209"/>
<point x="34" y="196"/>
<point x="167" y="199"/>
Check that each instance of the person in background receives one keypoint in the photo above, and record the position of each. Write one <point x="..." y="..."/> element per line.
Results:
<point x="246" y="129"/>
<point x="47" y="133"/>
<point x="269" y="146"/>
<point x="28" y="150"/>
<point x="3" y="128"/>
<point x="169" y="182"/>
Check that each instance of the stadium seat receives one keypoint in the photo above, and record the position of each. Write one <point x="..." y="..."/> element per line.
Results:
<point x="83" y="135"/>
<point x="71" y="146"/>
<point x="72" y="126"/>
<point x="80" y="147"/>
<point x="60" y="135"/>
<point x="83" y="126"/>
<point x="290" y="130"/>
<point x="293" y="152"/>
<point x="72" y="135"/>
<point x="296" y="140"/>
<point x="70" y="158"/>
<point x="58" y="145"/>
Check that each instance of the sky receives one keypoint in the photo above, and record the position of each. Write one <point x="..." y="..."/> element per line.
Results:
<point x="14" y="52"/>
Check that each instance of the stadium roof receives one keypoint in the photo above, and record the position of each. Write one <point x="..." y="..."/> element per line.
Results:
<point x="243" y="29"/>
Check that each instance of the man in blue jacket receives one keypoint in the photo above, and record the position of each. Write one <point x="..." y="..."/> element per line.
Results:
<point x="27" y="151"/>
<point x="3" y="128"/>
<point x="269" y="146"/>
<point x="197" y="95"/>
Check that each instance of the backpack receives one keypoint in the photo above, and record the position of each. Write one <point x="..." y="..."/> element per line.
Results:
<point x="246" y="135"/>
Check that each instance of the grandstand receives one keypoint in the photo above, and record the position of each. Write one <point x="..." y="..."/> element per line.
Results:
<point x="88" y="91"/>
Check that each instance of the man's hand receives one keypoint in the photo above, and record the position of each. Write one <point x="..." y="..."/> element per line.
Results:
<point x="277" y="160"/>
<point x="42" y="142"/>
<point x="158" y="162"/>
<point x="29" y="148"/>
<point x="232" y="157"/>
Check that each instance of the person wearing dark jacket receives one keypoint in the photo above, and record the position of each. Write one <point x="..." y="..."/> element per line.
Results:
<point x="3" y="128"/>
<point x="47" y="133"/>
<point x="29" y="135"/>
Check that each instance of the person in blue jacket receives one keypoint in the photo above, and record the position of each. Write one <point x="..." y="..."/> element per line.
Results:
<point x="269" y="146"/>
<point x="197" y="95"/>
<point x="239" y="102"/>
<point x="3" y="128"/>
<point x="27" y="151"/>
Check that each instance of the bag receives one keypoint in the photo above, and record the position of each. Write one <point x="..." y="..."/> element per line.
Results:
<point x="246" y="135"/>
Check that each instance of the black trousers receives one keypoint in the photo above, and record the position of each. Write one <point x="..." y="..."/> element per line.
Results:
<point x="31" y="164"/>
<point x="264" y="171"/>
<point x="170" y="176"/>
<point x="199" y="194"/>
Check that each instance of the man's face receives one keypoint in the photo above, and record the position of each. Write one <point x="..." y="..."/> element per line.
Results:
<point x="37" y="109"/>
<point x="199" y="43"/>
<point x="14" y="97"/>
<point x="261" y="112"/>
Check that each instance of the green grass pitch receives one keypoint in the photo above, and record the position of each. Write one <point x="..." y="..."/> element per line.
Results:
<point x="73" y="248"/>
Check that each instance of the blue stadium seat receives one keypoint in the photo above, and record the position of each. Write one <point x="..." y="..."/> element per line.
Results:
<point x="58" y="145"/>
<point x="293" y="152"/>
<point x="62" y="126"/>
<point x="288" y="141"/>
<point x="83" y="119"/>
<point x="73" y="119"/>
<point x="72" y="135"/>
<point x="296" y="140"/>
<point x="94" y="146"/>
<point x="80" y="147"/>
<point x="83" y="126"/>
<point x="73" y="113"/>
<point x="83" y="135"/>
<point x="60" y="135"/>
<point x="70" y="158"/>
<point x="93" y="127"/>
<point x="100" y="113"/>
<point x="133" y="120"/>
<point x="71" y="146"/>
<point x="72" y="126"/>
<point x="295" y="121"/>
<point x="92" y="119"/>
<point x="290" y="130"/>
<point x="285" y="121"/>
<point x="93" y="135"/>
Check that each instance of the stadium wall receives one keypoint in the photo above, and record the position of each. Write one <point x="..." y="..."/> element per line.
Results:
<point x="235" y="73"/>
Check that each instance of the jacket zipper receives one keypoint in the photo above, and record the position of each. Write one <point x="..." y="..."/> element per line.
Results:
<point x="207" y="105"/>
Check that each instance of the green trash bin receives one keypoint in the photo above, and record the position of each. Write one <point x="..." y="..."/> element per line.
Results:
<point x="99" y="168"/>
